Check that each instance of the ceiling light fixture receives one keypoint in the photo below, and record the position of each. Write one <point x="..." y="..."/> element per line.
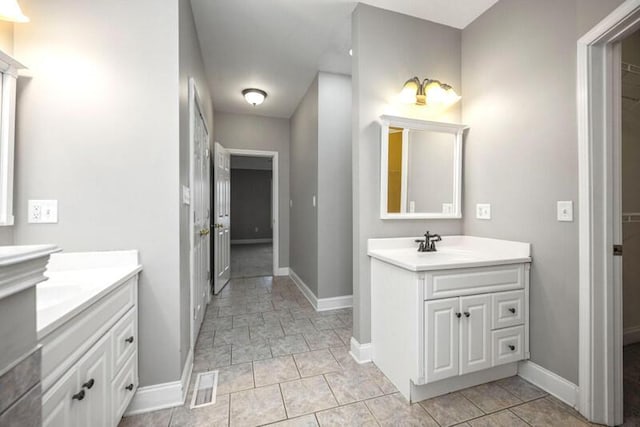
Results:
<point x="254" y="96"/>
<point x="430" y="92"/>
<point x="10" y="11"/>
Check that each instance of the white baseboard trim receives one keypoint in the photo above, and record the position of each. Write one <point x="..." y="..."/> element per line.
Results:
<point x="250" y="241"/>
<point x="321" y="304"/>
<point x="550" y="382"/>
<point x="361" y="353"/>
<point x="631" y="335"/>
<point x="162" y="396"/>
<point x="282" y="271"/>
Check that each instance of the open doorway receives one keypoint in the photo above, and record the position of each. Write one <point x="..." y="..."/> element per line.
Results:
<point x="253" y="230"/>
<point x="630" y="84"/>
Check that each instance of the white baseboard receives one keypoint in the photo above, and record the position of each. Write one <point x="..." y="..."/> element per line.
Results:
<point x="250" y="241"/>
<point x="162" y="396"/>
<point x="321" y="304"/>
<point x="550" y="382"/>
<point x="282" y="271"/>
<point x="361" y="353"/>
<point x="631" y="335"/>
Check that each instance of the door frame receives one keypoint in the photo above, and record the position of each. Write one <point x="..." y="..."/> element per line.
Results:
<point x="195" y="102"/>
<point x="274" y="197"/>
<point x="599" y="160"/>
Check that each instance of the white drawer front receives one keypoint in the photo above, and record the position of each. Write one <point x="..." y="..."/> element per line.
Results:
<point x="124" y="340"/>
<point x="469" y="281"/>
<point x="507" y="309"/>
<point x="124" y="386"/>
<point x="508" y="345"/>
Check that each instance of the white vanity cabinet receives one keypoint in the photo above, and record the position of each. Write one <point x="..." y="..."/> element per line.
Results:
<point x="450" y="319"/>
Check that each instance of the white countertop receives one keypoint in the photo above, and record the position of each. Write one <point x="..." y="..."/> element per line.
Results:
<point x="76" y="281"/>
<point x="452" y="252"/>
<point x="10" y="255"/>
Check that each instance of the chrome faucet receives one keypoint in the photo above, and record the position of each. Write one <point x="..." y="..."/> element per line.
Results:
<point x="429" y="242"/>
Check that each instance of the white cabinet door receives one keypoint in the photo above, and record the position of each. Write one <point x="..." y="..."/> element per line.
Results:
<point x="475" y="335"/>
<point x="442" y="326"/>
<point x="94" y="374"/>
<point x="60" y="402"/>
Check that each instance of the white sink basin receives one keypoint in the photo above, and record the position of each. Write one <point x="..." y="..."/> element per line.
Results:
<point x="452" y="252"/>
<point x="49" y="294"/>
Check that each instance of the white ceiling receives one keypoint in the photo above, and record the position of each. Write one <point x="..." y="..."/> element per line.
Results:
<point x="280" y="45"/>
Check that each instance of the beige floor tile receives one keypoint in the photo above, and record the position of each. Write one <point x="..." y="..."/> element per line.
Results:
<point x="212" y="415"/>
<point x="231" y="336"/>
<point x="499" y="419"/>
<point x="215" y="357"/>
<point x="307" y="395"/>
<point x="325" y="322"/>
<point x="298" y="326"/>
<point x="349" y="389"/>
<point x="269" y="330"/>
<point x="544" y="412"/>
<point x="235" y="378"/>
<point x="257" y="406"/>
<point x="276" y="370"/>
<point x="316" y="362"/>
<point x="345" y="335"/>
<point x="394" y="410"/>
<point x="242" y="353"/>
<point x="490" y="397"/>
<point x="276" y="316"/>
<point x="288" y="345"/>
<point x="157" y="419"/>
<point x="322" y="339"/>
<point x="451" y="409"/>
<point x="247" y="320"/>
<point x="522" y="389"/>
<point x="356" y="414"/>
<point x="306" y="421"/>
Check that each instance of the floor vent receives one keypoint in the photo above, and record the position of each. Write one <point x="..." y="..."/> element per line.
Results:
<point x="204" y="392"/>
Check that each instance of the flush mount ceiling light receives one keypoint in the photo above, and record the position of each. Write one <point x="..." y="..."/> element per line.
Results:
<point x="254" y="96"/>
<point x="429" y="92"/>
<point x="10" y="11"/>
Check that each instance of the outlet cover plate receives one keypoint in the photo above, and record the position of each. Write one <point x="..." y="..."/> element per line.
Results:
<point x="483" y="211"/>
<point x="565" y="211"/>
<point x="42" y="212"/>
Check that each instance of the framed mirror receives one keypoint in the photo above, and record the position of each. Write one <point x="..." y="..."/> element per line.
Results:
<point x="420" y="169"/>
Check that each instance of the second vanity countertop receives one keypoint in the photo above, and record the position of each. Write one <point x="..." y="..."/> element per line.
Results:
<point x="452" y="252"/>
<point x="77" y="280"/>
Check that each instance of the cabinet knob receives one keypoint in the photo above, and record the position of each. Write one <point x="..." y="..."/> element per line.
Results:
<point x="129" y="387"/>
<point x="512" y="310"/>
<point x="467" y="314"/>
<point x="512" y="347"/>
<point x="458" y="315"/>
<point x="79" y="395"/>
<point x="89" y="383"/>
<point x="129" y="340"/>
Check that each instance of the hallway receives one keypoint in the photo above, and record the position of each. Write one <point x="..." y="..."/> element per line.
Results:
<point x="251" y="260"/>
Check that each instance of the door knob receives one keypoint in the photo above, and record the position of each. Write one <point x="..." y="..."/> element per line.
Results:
<point x="512" y="347"/>
<point x="512" y="310"/>
<point x="204" y="231"/>
<point x="467" y="314"/>
<point x="458" y="315"/>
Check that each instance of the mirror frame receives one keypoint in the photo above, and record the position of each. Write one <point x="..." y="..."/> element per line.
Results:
<point x="457" y="130"/>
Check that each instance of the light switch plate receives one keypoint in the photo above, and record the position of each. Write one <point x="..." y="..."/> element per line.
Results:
<point x="565" y="211"/>
<point x="42" y="211"/>
<point x="186" y="195"/>
<point x="313" y="201"/>
<point x="412" y="206"/>
<point x="483" y="211"/>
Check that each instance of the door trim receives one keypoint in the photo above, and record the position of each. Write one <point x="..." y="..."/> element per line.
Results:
<point x="275" y="199"/>
<point x="599" y="144"/>
<point x="194" y="102"/>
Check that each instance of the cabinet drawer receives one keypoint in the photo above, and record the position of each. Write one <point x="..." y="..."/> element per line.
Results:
<point x="507" y="309"/>
<point x="121" y="395"/>
<point x="508" y="345"/>
<point x="124" y="339"/>
<point x="469" y="281"/>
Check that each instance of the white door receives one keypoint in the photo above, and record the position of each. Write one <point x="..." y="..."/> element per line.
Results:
<point x="475" y="335"/>
<point x="60" y="403"/>
<point x="222" y="217"/>
<point x="94" y="373"/>
<point x="442" y="327"/>
<point x="200" y="216"/>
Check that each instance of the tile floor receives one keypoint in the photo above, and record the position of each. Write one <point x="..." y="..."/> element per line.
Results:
<point x="631" y="381"/>
<point x="251" y="260"/>
<point x="281" y="363"/>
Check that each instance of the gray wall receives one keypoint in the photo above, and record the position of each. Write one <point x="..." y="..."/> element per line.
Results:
<point x="631" y="184"/>
<point x="388" y="49"/>
<point x="304" y="186"/>
<point x="262" y="133"/>
<point x="250" y="204"/>
<point x="519" y="99"/>
<point x="190" y="65"/>
<point x="98" y="131"/>
<point x="334" y="186"/>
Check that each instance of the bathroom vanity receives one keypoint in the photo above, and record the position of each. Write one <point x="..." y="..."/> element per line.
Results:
<point x="87" y="321"/>
<point x="449" y="319"/>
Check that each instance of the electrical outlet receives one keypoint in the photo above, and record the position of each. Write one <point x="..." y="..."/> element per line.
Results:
<point x="447" y="208"/>
<point x="483" y="211"/>
<point x="412" y="206"/>
<point x="42" y="211"/>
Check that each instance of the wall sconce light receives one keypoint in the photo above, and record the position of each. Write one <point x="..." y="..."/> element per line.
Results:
<point x="429" y="92"/>
<point x="10" y="11"/>
<point x="254" y="96"/>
